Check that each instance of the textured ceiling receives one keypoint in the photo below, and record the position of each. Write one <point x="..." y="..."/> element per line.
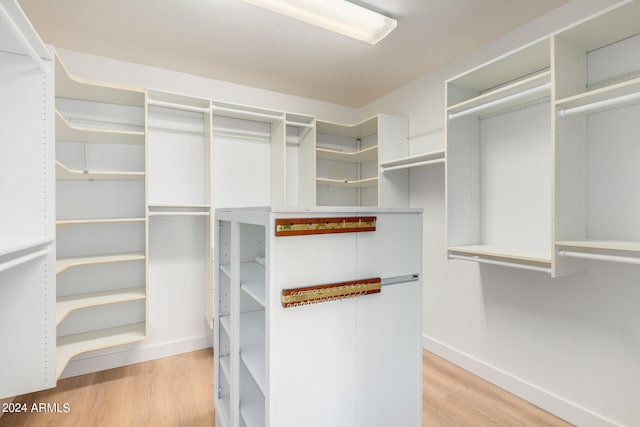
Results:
<point x="237" y="42"/>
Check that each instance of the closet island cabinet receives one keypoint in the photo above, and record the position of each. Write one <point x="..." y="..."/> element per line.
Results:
<point x="317" y="317"/>
<point x="27" y="227"/>
<point x="542" y="150"/>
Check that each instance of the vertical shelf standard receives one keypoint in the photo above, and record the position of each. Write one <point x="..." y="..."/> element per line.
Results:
<point x="27" y="252"/>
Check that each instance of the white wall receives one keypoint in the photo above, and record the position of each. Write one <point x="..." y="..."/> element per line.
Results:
<point x="569" y="345"/>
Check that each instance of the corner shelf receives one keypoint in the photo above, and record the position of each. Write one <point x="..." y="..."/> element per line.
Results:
<point x="68" y="86"/>
<point x="357" y="183"/>
<point x="63" y="264"/>
<point x="67" y="174"/>
<point x="71" y="345"/>
<point x="66" y="131"/>
<point x="360" y="156"/>
<point x="67" y="304"/>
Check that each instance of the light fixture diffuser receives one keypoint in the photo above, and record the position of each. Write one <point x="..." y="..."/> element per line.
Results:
<point x="339" y="16"/>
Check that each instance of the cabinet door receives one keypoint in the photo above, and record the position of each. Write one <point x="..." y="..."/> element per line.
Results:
<point x="388" y="352"/>
<point x="312" y="358"/>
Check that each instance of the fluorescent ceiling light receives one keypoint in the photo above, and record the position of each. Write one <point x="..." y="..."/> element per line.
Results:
<point x="339" y="16"/>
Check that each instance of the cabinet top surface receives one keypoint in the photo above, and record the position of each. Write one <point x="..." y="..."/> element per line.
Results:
<point x="319" y="209"/>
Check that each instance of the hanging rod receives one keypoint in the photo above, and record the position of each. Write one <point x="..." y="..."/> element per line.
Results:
<point x="23" y="259"/>
<point x="299" y="124"/>
<point x="175" y="106"/>
<point x="23" y="40"/>
<point x="613" y="102"/>
<point x="502" y="263"/>
<point x="599" y="257"/>
<point x="413" y="165"/>
<point x="246" y="113"/>
<point x="538" y="89"/>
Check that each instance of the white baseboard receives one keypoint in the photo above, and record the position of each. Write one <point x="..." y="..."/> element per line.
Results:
<point x="544" y="399"/>
<point x="122" y="356"/>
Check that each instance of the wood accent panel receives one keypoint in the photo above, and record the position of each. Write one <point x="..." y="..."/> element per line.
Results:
<point x="335" y="291"/>
<point x="306" y="226"/>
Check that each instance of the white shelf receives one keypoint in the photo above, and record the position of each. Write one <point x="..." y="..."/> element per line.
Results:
<point x="252" y="281"/>
<point x="252" y="346"/>
<point x="424" y="159"/>
<point x="10" y="246"/>
<point x="72" y="345"/>
<point x="225" y="366"/>
<point x="178" y="210"/>
<point x="66" y="131"/>
<point x="253" y="415"/>
<point x="614" y="96"/>
<point x="62" y="222"/>
<point x="612" y="245"/>
<point x="361" y="130"/>
<point x="65" y="173"/>
<point x="225" y="322"/>
<point x="513" y="254"/>
<point x="63" y="264"/>
<point x="68" y="86"/>
<point x="520" y="92"/>
<point x="223" y="410"/>
<point x="366" y="155"/>
<point x="226" y="269"/>
<point x="359" y="183"/>
<point x="67" y="304"/>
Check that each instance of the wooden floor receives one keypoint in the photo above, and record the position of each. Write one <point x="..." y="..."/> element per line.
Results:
<point x="178" y="391"/>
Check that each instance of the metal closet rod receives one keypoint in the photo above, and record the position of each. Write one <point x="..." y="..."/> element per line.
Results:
<point x="247" y="113"/>
<point x="538" y="89"/>
<point x="175" y="106"/>
<point x="23" y="259"/>
<point x="502" y="263"/>
<point x="413" y="165"/>
<point x="613" y="102"/>
<point x="599" y="257"/>
<point x="23" y="40"/>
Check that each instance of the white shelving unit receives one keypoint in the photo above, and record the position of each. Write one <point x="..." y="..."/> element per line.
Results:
<point x="101" y="236"/>
<point x="347" y="163"/>
<point x="179" y="158"/>
<point x="541" y="149"/>
<point x="272" y="363"/>
<point x="597" y="107"/>
<point x="27" y="252"/>
<point x="249" y="145"/>
<point x="499" y="161"/>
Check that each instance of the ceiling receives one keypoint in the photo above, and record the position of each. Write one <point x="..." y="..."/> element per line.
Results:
<point x="237" y="42"/>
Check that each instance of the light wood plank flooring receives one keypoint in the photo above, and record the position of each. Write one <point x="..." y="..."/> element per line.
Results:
<point x="178" y="391"/>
